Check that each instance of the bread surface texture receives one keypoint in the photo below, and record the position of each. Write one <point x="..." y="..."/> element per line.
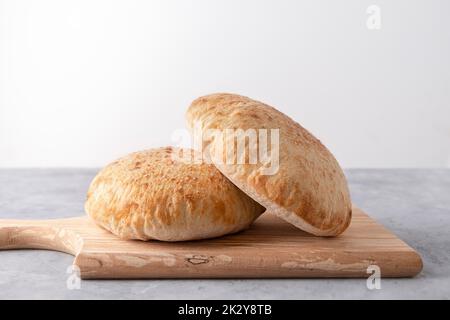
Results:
<point x="308" y="189"/>
<point x="160" y="194"/>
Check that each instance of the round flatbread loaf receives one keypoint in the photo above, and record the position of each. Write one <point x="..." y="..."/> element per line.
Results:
<point x="308" y="189"/>
<point x="157" y="194"/>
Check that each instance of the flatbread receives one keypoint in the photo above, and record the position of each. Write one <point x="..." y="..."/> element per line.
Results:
<point x="309" y="188"/>
<point x="157" y="194"/>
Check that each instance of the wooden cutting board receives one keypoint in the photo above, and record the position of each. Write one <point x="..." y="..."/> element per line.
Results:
<point x="271" y="248"/>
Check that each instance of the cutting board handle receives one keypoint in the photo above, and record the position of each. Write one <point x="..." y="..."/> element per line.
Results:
<point x="39" y="234"/>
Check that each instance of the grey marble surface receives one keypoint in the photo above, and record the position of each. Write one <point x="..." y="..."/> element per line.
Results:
<point x="414" y="204"/>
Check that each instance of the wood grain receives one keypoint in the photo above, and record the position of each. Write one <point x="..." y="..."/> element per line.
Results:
<point x="271" y="248"/>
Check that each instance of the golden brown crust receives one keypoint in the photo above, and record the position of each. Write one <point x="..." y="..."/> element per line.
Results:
<point x="309" y="190"/>
<point x="153" y="194"/>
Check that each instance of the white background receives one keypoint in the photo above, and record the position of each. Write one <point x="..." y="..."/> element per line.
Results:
<point x="83" y="82"/>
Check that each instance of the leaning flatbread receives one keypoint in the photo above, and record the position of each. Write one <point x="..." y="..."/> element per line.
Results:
<point x="308" y="189"/>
